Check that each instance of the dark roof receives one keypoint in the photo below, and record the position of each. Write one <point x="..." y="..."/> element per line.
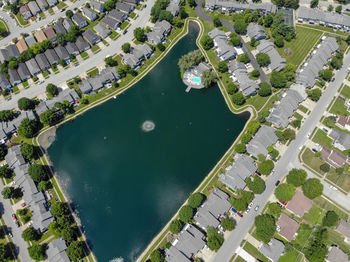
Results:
<point x="112" y="23"/>
<point x="135" y="2"/>
<point x="14" y="76"/>
<point x="91" y="37"/>
<point x="4" y="82"/>
<point x="51" y="56"/>
<point x="81" y="44"/>
<point x="42" y="61"/>
<point x="32" y="66"/>
<point x="13" y="50"/>
<point x="124" y="7"/>
<point x="23" y="71"/>
<point x="119" y="16"/>
<point x="77" y="18"/>
<point x="61" y="52"/>
<point x="71" y="48"/>
<point x="59" y="28"/>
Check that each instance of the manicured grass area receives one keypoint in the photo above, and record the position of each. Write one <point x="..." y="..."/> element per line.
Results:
<point x="325" y="29"/>
<point x="61" y="5"/>
<point x="291" y="256"/>
<point x="315" y="215"/>
<point x="15" y="89"/>
<point x="254" y="252"/>
<point x="304" y="232"/>
<point x="346" y="91"/>
<point x="84" y="55"/>
<point x="42" y="15"/>
<point x="301" y="45"/>
<point x="95" y="49"/>
<point x="341" y="180"/>
<point x="312" y="161"/>
<point x="339" y="108"/>
<point x="322" y="138"/>
<point x="326" y="205"/>
<point x="337" y="239"/>
<point x="45" y="74"/>
<point x="105" y="42"/>
<point x="238" y="259"/>
<point x="114" y="35"/>
<point x="303" y="109"/>
<point x="20" y="19"/>
<point x="298" y="116"/>
<point x="124" y="25"/>
<point x="51" y="12"/>
<point x="132" y="15"/>
<point x="93" y="72"/>
<point x="55" y="69"/>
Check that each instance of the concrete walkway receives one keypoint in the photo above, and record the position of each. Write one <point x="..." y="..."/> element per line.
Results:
<point x="245" y="255"/>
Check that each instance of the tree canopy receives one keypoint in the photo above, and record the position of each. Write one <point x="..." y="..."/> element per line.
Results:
<point x="209" y="78"/>
<point x="186" y="213"/>
<point x="215" y="240"/>
<point x="314" y="94"/>
<point x="139" y="34"/>
<point x="228" y="224"/>
<point x="265" y="167"/>
<point x="37" y="173"/>
<point x="263" y="59"/>
<point x="257" y="185"/>
<point x="285" y="192"/>
<point x="243" y="58"/>
<point x="51" y="90"/>
<point x="240" y="148"/>
<point x="30" y="234"/>
<point x="312" y="188"/>
<point x="27" y="150"/>
<point x="238" y="98"/>
<point x="175" y="226"/>
<point x="207" y="42"/>
<point x="274" y="209"/>
<point x="49" y="117"/>
<point x="278" y="80"/>
<point x="28" y="128"/>
<point x="265" y="89"/>
<point x="75" y="250"/>
<point x="196" y="199"/>
<point x="265" y="227"/>
<point x="191" y="59"/>
<point x="296" y="177"/>
<point x="330" y="219"/>
<point x="25" y="103"/>
<point x="37" y="252"/>
<point x="242" y="201"/>
<point x="240" y="26"/>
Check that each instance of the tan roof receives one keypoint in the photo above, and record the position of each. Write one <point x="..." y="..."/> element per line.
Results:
<point x="40" y="36"/>
<point x="333" y="157"/>
<point x="343" y="121"/>
<point x="21" y="45"/>
<point x="299" y="204"/>
<point x="344" y="228"/>
<point x="49" y="32"/>
<point x="288" y="227"/>
<point x="337" y="255"/>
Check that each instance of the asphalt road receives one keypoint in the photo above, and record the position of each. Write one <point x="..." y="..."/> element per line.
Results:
<point x="85" y="65"/>
<point x="288" y="161"/>
<point x="200" y="13"/>
<point x="16" y="31"/>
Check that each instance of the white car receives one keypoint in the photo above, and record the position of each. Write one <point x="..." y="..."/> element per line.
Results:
<point x="333" y="188"/>
<point x="250" y="205"/>
<point x="256" y="208"/>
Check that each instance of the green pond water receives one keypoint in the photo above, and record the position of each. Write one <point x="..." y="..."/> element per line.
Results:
<point x="127" y="183"/>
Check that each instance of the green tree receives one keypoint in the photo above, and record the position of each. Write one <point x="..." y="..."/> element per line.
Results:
<point x="6" y="172"/>
<point x="207" y="42"/>
<point x="235" y="39"/>
<point x="238" y="98"/>
<point x="330" y="121"/>
<point x="126" y="47"/>
<point x="59" y="209"/>
<point x="245" y="138"/>
<point x="222" y="67"/>
<point x="191" y="59"/>
<point x="37" y="252"/>
<point x="60" y="39"/>
<point x="7" y="115"/>
<point x="265" y="227"/>
<point x="242" y="200"/>
<point x="338" y="9"/>
<point x="240" y="26"/>
<point x="166" y="15"/>
<point x="330" y="219"/>
<point x="243" y="58"/>
<point x="30" y="234"/>
<point x="75" y="250"/>
<point x="265" y="89"/>
<point x="268" y="20"/>
<point x="288" y="134"/>
<point x="231" y="88"/>
<point x="7" y="192"/>
<point x="240" y="148"/>
<point x="265" y="167"/>
<point x="215" y="240"/>
<point x="157" y="256"/>
<point x="314" y="94"/>
<point x="25" y="103"/>
<point x="161" y="47"/>
<point x="274" y="209"/>
<point x="263" y="59"/>
<point x="279" y="41"/>
<point x="312" y="188"/>
<point x="228" y="224"/>
<point x="68" y="234"/>
<point x="3" y="151"/>
<point x="186" y="213"/>
<point x="326" y="74"/>
<point x="109" y="5"/>
<point x="175" y="226"/>
<point x="278" y="80"/>
<point x="257" y="186"/>
<point x="296" y="177"/>
<point x="44" y="185"/>
<point x="330" y="8"/>
<point x="49" y="117"/>
<point x="51" y="90"/>
<point x="110" y="61"/>
<point x="28" y="128"/>
<point x="192" y="3"/>
<point x="255" y="73"/>
<point x="69" y="13"/>
<point x="217" y="22"/>
<point x="209" y="78"/>
<point x="139" y="34"/>
<point x="285" y="192"/>
<point x="27" y="151"/>
<point x="37" y="173"/>
<point x="196" y="199"/>
<point x="13" y="65"/>
<point x="296" y="123"/>
<point x="314" y="3"/>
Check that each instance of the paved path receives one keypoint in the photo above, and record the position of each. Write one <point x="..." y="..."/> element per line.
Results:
<point x="16" y="30"/>
<point x="85" y="65"/>
<point x="288" y="161"/>
<point x="200" y="13"/>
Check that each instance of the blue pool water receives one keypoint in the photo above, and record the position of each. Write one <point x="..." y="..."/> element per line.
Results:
<point x="196" y="79"/>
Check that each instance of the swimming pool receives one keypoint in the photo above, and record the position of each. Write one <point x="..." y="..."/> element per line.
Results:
<point x="195" y="79"/>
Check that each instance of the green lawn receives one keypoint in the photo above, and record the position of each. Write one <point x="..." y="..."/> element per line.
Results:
<point x="298" y="116"/>
<point x="254" y="252"/>
<point x="337" y="239"/>
<point x="346" y="91"/>
<point x="45" y="74"/>
<point x="312" y="161"/>
<point x="315" y="215"/>
<point x="303" y="109"/>
<point x="92" y="72"/>
<point x="341" y="180"/>
<point x="322" y="138"/>
<point x="304" y="232"/>
<point x="95" y="49"/>
<point x="25" y="84"/>
<point x="15" y="89"/>
<point x="84" y="55"/>
<point x="61" y="5"/>
<point x="51" y="12"/>
<point x="42" y="15"/>
<point x="114" y="35"/>
<point x="301" y="46"/>
<point x="21" y="20"/>
<point x="339" y="108"/>
<point x="3" y="25"/>
<point x="291" y="256"/>
<point x="326" y="205"/>
<point x="132" y="15"/>
<point x="325" y="29"/>
<point x="124" y="25"/>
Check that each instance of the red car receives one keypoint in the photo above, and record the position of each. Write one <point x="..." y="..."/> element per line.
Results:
<point x="14" y="217"/>
<point x="239" y="214"/>
<point x="284" y="203"/>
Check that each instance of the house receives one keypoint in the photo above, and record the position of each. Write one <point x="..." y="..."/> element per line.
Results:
<point x="72" y="48"/>
<point x="79" y="20"/>
<point x="131" y="60"/>
<point x="110" y="22"/>
<point x="133" y="2"/>
<point x="279" y="115"/>
<point x="25" y="12"/>
<point x="67" y="23"/>
<point x="91" y="15"/>
<point x="102" y="30"/>
<point x="117" y="15"/>
<point x="50" y="33"/>
<point x="344" y="228"/>
<point x="288" y="227"/>
<point x="300" y="204"/>
<point x="56" y="250"/>
<point x="240" y="75"/>
<point x="91" y="37"/>
<point x="235" y="175"/>
<point x="126" y="8"/>
<point x="42" y="62"/>
<point x="343" y="122"/>
<point x="4" y="55"/>
<point x="34" y="8"/>
<point x="160" y="30"/>
<point x="256" y="31"/>
<point x="85" y="86"/>
<point x="337" y="255"/>
<point x="97" y="6"/>
<point x="52" y="2"/>
<point x="341" y="140"/>
<point x="51" y="56"/>
<point x="236" y="6"/>
<point x="4" y="82"/>
<point x="59" y="28"/>
<point x="40" y="36"/>
<point x="173" y="7"/>
<point x="23" y="72"/>
<point x="14" y="77"/>
<point x="138" y="53"/>
<point x="334" y="158"/>
<point x="188" y="244"/>
<point x="61" y="52"/>
<point x="30" y="40"/>
<point x="224" y="51"/>
<point x="273" y="251"/>
<point x="33" y="67"/>
<point x="42" y="4"/>
<point x="264" y="138"/>
<point x="81" y="44"/>
<point x="12" y="50"/>
<point x="21" y="45"/>
<point x="212" y="209"/>
<point x="277" y="62"/>
<point x="309" y="72"/>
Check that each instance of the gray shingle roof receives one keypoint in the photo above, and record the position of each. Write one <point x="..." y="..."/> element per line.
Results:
<point x="256" y="31"/>
<point x="67" y="23"/>
<point x="79" y="20"/>
<point x="102" y="30"/>
<point x="14" y="77"/>
<point x="246" y="85"/>
<point x="72" y="48"/>
<point x="88" y="13"/>
<point x="23" y="71"/>
<point x="264" y="138"/>
<point x="277" y="62"/>
<point x="61" y="52"/>
<point x="59" y="28"/>
<point x="51" y="56"/>
<point x="124" y="7"/>
<point x="56" y="251"/>
<point x="42" y="61"/>
<point x="30" y="40"/>
<point x="33" y="67"/>
<point x="110" y="22"/>
<point x="4" y="82"/>
<point x="97" y="6"/>
<point x="34" y="8"/>
<point x="341" y="140"/>
<point x="82" y="44"/>
<point x="91" y="37"/>
<point x="272" y="251"/>
<point x="235" y="5"/>
<point x="12" y="50"/>
<point x="117" y="15"/>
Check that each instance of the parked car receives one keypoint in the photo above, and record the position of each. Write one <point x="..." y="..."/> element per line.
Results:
<point x="256" y="208"/>
<point x="14" y="217"/>
<point x="17" y="224"/>
<point x="239" y="214"/>
<point x="277" y="183"/>
<point x="234" y="210"/>
<point x="314" y="150"/>
<point x="284" y="203"/>
<point x="333" y="188"/>
<point x="10" y="234"/>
